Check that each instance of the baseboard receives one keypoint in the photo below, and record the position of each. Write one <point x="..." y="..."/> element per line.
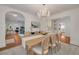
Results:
<point x="1" y="46"/>
<point x="74" y="44"/>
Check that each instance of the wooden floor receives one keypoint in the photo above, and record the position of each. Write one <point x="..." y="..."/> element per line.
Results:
<point x="9" y="46"/>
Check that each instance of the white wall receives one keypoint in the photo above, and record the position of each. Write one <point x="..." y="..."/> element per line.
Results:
<point x="2" y="28"/>
<point x="65" y="21"/>
<point x="28" y="21"/>
<point x="45" y="24"/>
<point x="74" y="17"/>
<point x="3" y="11"/>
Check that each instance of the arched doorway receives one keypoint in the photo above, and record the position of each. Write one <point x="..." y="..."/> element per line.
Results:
<point x="15" y="27"/>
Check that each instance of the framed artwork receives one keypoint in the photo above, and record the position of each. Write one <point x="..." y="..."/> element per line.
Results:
<point x="35" y="24"/>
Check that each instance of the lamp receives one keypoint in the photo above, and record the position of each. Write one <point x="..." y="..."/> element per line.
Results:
<point x="43" y="12"/>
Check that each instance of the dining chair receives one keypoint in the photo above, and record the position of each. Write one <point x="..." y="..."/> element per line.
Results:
<point x="17" y="38"/>
<point x="42" y="49"/>
<point x="55" y="44"/>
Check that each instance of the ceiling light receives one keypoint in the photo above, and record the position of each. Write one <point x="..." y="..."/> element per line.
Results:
<point x="43" y="12"/>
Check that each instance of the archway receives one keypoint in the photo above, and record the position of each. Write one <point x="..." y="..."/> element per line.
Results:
<point x="15" y="27"/>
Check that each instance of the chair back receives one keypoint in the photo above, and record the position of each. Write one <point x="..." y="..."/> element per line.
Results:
<point x="17" y="38"/>
<point x="55" y="44"/>
<point x="45" y="42"/>
<point x="54" y="39"/>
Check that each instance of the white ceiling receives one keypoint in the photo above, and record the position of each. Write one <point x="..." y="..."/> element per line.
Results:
<point x="14" y="17"/>
<point x="33" y="8"/>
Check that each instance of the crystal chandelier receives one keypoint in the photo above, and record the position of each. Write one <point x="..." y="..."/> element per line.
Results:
<point x="43" y="12"/>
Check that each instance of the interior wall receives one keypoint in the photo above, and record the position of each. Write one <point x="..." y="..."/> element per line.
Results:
<point x="74" y="17"/>
<point x="2" y="28"/>
<point x="3" y="10"/>
<point x="65" y="21"/>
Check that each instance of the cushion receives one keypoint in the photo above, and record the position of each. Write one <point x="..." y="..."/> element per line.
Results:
<point x="38" y="50"/>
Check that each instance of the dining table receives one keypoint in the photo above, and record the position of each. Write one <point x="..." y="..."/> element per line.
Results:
<point x="30" y="40"/>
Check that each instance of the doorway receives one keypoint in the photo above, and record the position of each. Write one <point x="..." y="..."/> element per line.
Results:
<point x="15" y="28"/>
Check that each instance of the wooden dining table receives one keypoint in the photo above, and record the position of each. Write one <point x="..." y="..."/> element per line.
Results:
<point x="29" y="42"/>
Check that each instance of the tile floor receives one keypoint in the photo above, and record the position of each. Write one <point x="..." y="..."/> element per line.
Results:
<point x="64" y="50"/>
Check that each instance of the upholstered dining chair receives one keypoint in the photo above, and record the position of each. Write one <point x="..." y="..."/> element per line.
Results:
<point x="55" y="45"/>
<point x="43" y="48"/>
<point x="17" y="38"/>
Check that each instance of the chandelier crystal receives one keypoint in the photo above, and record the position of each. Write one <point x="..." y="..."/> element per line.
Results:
<point x="43" y="12"/>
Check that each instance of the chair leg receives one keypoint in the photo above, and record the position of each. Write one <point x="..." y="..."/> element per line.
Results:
<point x="53" y="50"/>
<point x="32" y="53"/>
